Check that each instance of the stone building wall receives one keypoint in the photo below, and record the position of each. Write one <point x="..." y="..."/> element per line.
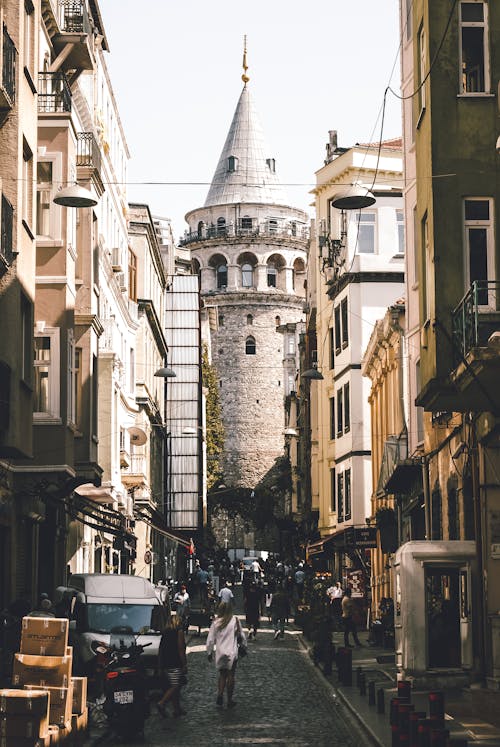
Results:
<point x="251" y="387"/>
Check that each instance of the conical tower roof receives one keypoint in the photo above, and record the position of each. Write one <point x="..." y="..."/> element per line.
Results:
<point x="251" y="176"/>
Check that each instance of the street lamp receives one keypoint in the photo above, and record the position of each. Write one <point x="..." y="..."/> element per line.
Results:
<point x="75" y="196"/>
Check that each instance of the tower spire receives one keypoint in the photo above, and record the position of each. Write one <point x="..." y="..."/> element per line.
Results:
<point x="245" y="77"/>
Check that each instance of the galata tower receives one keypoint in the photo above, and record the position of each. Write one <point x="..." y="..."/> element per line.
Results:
<point x="250" y="249"/>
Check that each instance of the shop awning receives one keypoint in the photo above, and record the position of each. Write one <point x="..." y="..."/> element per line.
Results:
<point x="404" y="475"/>
<point x="347" y="538"/>
<point x="149" y="515"/>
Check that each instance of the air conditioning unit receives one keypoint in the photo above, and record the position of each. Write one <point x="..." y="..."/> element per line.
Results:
<point x="116" y="259"/>
<point x="120" y="278"/>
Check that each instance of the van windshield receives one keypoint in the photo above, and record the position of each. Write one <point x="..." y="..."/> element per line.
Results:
<point x="139" y="618"/>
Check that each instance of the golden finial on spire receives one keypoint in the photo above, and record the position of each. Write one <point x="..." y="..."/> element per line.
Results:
<point x="245" y="77"/>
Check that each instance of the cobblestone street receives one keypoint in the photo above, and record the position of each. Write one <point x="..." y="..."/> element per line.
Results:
<point x="281" y="699"/>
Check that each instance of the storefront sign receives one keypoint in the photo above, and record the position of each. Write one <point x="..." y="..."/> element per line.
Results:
<point x="360" y="537"/>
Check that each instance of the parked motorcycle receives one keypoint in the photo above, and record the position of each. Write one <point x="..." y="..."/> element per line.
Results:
<point x="124" y="685"/>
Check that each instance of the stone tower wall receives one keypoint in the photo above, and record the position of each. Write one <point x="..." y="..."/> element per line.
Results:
<point x="252" y="386"/>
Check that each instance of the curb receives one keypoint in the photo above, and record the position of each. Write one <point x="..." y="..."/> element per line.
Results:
<point x="356" y="715"/>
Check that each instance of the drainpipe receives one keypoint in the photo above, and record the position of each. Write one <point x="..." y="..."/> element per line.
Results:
<point x="427" y="499"/>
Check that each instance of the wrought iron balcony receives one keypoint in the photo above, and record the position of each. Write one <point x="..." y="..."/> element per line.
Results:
<point x="8" y="82"/>
<point x="7" y="254"/>
<point x="264" y="229"/>
<point x="73" y="17"/>
<point x="475" y="318"/>
<point x="54" y="94"/>
<point x="87" y="151"/>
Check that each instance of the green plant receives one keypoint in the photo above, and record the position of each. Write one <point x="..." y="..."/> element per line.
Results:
<point x="215" y="435"/>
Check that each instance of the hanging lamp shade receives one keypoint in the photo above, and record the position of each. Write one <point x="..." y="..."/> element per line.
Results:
<point x="75" y="196"/>
<point x="353" y="197"/>
<point x="165" y="373"/>
<point x="312" y="373"/>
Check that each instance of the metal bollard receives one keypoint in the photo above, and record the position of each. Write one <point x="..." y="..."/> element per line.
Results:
<point x="371" y="692"/>
<point x="424" y="732"/>
<point x="436" y="709"/>
<point x="404" y="711"/>
<point x="380" y="700"/>
<point x="439" y="737"/>
<point x="362" y="683"/>
<point x="359" y="671"/>
<point x="414" y="719"/>
<point x="393" y="711"/>
<point x="404" y="691"/>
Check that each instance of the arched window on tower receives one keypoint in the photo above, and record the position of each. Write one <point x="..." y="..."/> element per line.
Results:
<point x="232" y="164"/>
<point x="221" y="226"/>
<point x="249" y="319"/>
<point x="278" y="321"/>
<point x="250" y="348"/>
<point x="272" y="275"/>
<point x="222" y="276"/>
<point x="200" y="229"/>
<point x="247" y="275"/>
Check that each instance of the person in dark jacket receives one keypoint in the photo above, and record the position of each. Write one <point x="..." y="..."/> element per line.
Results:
<point x="253" y="608"/>
<point x="172" y="662"/>
<point x="280" y="611"/>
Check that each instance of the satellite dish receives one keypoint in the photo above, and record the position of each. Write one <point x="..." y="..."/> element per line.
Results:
<point x="137" y="436"/>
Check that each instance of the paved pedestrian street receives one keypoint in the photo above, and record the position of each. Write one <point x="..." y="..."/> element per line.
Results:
<point x="282" y="699"/>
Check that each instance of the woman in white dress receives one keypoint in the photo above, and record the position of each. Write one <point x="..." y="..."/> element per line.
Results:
<point x="224" y="635"/>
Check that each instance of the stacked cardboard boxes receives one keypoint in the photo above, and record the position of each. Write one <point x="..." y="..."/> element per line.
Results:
<point x="24" y="718"/>
<point x="44" y="666"/>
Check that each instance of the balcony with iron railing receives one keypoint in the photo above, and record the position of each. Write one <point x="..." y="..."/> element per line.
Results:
<point x="8" y="63"/>
<point x="136" y="471"/>
<point x="265" y="229"/>
<point x="7" y="253"/>
<point x="54" y="94"/>
<point x="73" y="17"/>
<point x="88" y="154"/>
<point x="476" y="318"/>
<point x="476" y="347"/>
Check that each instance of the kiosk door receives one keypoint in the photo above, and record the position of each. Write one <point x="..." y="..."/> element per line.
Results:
<point x="443" y="616"/>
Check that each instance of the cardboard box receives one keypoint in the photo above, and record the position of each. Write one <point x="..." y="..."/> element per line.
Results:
<point x="24" y="702"/>
<point x="79" y="694"/>
<point x="44" y="636"/>
<point x="80" y="722"/>
<point x="61" y="699"/>
<point x="54" y="671"/>
<point x="23" y="726"/>
<point x="25" y="742"/>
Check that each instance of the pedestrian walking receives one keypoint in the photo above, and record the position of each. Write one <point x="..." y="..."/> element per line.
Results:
<point x="226" y="595"/>
<point x="280" y="610"/>
<point x="172" y="663"/>
<point x="202" y="577"/>
<point x="224" y="635"/>
<point x="300" y="577"/>
<point x="253" y="609"/>
<point x="335" y="595"/>
<point x="183" y="607"/>
<point x="347" y="619"/>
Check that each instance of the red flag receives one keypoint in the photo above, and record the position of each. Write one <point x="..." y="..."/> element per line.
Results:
<point x="192" y="548"/>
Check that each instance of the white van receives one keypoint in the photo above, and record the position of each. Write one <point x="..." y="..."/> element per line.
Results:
<point x="111" y="603"/>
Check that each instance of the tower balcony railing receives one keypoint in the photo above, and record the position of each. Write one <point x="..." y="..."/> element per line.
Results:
<point x="54" y="94"/>
<point x="476" y="317"/>
<point x="265" y="229"/>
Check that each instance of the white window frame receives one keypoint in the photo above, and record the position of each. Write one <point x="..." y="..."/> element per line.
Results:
<point x="247" y="275"/>
<point x="490" y="246"/>
<point x="400" y="227"/>
<point x="486" y="61"/>
<point x="53" y="416"/>
<point x="54" y="237"/>
<point x="71" y="380"/>
<point x="421" y="72"/>
<point x="368" y="219"/>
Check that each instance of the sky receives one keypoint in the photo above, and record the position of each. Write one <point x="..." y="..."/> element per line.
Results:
<point x="314" y="66"/>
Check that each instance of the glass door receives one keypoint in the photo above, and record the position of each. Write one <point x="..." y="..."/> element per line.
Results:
<point x="444" y="612"/>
